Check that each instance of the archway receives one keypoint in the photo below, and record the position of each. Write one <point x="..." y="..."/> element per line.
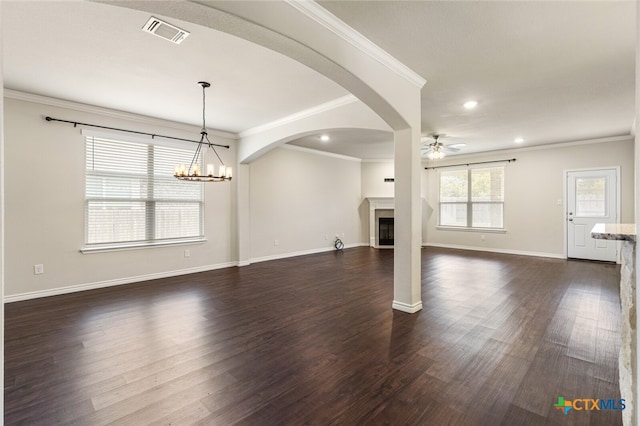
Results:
<point x="309" y="34"/>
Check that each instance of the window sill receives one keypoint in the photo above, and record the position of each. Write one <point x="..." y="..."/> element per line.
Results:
<point x="465" y="229"/>
<point x="102" y="248"/>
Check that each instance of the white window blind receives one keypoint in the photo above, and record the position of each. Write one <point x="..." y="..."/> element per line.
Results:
<point x="472" y="198"/>
<point x="132" y="197"/>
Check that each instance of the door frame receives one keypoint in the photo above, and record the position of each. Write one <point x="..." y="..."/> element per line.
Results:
<point x="565" y="180"/>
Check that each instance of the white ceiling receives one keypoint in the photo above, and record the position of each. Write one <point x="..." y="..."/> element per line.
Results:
<point x="546" y="71"/>
<point x="98" y="54"/>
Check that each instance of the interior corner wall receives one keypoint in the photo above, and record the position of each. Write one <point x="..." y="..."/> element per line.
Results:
<point x="534" y="214"/>
<point x="300" y="201"/>
<point x="45" y="208"/>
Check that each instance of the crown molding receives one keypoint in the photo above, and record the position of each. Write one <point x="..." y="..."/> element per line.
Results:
<point x="77" y="106"/>
<point x="318" y="152"/>
<point x="327" y="106"/>
<point x="559" y="145"/>
<point x="378" y="160"/>
<point x="334" y="24"/>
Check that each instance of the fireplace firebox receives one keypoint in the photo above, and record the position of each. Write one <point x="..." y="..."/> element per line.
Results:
<point x="385" y="231"/>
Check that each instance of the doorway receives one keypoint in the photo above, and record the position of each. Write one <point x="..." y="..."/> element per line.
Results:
<point x="592" y="196"/>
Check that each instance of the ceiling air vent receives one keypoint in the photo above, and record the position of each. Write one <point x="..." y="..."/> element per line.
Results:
<point x="165" y="30"/>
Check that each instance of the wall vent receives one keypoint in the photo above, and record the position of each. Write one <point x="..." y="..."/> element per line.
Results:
<point x="165" y="30"/>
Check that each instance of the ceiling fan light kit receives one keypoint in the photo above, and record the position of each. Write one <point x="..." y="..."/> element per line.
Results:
<point x="437" y="150"/>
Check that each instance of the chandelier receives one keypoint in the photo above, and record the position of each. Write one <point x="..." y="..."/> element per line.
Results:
<point x="193" y="172"/>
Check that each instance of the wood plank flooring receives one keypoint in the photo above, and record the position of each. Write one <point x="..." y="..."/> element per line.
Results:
<point x="313" y="340"/>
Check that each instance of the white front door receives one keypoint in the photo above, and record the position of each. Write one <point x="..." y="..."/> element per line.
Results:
<point x="591" y="199"/>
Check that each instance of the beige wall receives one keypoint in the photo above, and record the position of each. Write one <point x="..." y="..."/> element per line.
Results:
<point x="45" y="207"/>
<point x="298" y="197"/>
<point x="533" y="186"/>
<point x="303" y="199"/>
<point x="373" y="175"/>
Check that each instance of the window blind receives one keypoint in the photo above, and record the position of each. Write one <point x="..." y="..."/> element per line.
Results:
<point x="131" y="195"/>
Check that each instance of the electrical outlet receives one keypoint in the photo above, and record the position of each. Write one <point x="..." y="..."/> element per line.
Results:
<point x="38" y="269"/>
<point x="275" y="243"/>
<point x="187" y="253"/>
<point x="326" y="237"/>
<point x="482" y="237"/>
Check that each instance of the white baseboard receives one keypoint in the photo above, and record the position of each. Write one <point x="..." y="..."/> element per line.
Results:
<point x="494" y="250"/>
<point x="302" y="253"/>
<point x="404" y="307"/>
<point x="110" y="283"/>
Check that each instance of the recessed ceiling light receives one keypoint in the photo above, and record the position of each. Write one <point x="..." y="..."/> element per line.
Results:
<point x="470" y="104"/>
<point x="518" y="140"/>
<point x="324" y="138"/>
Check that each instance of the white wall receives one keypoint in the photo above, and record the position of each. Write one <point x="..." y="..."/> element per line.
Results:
<point x="45" y="207"/>
<point x="303" y="199"/>
<point x="373" y="176"/>
<point x="533" y="185"/>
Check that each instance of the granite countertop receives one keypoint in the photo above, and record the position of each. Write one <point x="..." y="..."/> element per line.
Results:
<point x="614" y="231"/>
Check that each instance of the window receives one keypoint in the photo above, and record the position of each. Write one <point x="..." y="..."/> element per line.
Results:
<point x="472" y="198"/>
<point x="132" y="198"/>
<point x="591" y="200"/>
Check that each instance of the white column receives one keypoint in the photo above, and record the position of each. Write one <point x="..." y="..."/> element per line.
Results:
<point x="407" y="226"/>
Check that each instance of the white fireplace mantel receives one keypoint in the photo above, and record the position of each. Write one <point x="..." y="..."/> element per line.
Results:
<point x="377" y="203"/>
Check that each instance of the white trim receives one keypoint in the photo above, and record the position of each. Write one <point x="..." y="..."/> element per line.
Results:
<point x="103" y="248"/>
<point x="382" y="160"/>
<point x="494" y="250"/>
<point x="327" y="106"/>
<point x="303" y="253"/>
<point x="77" y="106"/>
<point x="317" y="152"/>
<point x="331" y="22"/>
<point x="454" y="158"/>
<point x="467" y="229"/>
<point x="404" y="307"/>
<point x="111" y="283"/>
<point x="565" y="182"/>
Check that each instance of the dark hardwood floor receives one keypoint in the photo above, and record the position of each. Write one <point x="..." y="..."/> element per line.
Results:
<point x="313" y="340"/>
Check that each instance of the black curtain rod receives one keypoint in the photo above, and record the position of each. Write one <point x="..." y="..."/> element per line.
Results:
<point x="153" y="135"/>
<point x="469" y="164"/>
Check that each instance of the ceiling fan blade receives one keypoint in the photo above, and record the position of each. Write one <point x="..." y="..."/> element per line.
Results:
<point x="450" y="149"/>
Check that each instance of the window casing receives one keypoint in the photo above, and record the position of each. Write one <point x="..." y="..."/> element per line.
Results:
<point x="472" y="198"/>
<point x="132" y="198"/>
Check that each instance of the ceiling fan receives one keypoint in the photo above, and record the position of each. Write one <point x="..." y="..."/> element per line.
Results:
<point x="436" y="149"/>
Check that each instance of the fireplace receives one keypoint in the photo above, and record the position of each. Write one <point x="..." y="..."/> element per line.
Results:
<point x="381" y="225"/>
<point x="385" y="231"/>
